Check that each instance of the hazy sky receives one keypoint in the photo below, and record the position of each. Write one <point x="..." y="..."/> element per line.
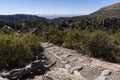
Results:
<point x="52" y="6"/>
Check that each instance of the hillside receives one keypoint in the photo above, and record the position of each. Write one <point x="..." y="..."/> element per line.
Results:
<point x="20" y="17"/>
<point x="108" y="11"/>
<point x="106" y="18"/>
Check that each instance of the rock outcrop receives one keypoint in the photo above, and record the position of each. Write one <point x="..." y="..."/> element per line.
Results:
<point x="33" y="67"/>
<point x="83" y="67"/>
<point x="59" y="74"/>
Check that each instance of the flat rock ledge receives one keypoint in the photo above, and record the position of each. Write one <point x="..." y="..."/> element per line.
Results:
<point x="78" y="67"/>
<point x="60" y="74"/>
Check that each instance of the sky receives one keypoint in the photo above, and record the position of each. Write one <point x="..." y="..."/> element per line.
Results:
<point x="52" y="7"/>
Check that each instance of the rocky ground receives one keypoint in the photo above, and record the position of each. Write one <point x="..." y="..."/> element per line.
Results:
<point x="73" y="66"/>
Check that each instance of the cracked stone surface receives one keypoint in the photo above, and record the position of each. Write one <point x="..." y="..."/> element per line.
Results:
<point x="60" y="74"/>
<point x="76" y="64"/>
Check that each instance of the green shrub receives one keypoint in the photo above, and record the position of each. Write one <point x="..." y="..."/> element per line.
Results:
<point x="102" y="45"/>
<point x="77" y="39"/>
<point x="95" y="44"/>
<point x="18" y="50"/>
<point x="54" y="36"/>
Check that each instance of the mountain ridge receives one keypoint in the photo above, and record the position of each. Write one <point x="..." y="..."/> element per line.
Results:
<point x="20" y="17"/>
<point x="108" y="11"/>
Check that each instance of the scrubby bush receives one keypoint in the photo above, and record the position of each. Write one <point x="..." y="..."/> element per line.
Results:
<point x="18" y="49"/>
<point x="102" y="45"/>
<point x="77" y="39"/>
<point x="54" y="36"/>
<point x="95" y="44"/>
<point x="6" y="31"/>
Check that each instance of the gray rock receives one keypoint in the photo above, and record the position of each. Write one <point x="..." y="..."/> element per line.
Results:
<point x="78" y="68"/>
<point x="38" y="78"/>
<point x="90" y="73"/>
<point x="101" y="78"/>
<point x="34" y="66"/>
<point x="78" y="74"/>
<point x="67" y="55"/>
<point x="62" y="74"/>
<point x="46" y="45"/>
<point x="106" y="73"/>
<point x="59" y="53"/>
<point x="1" y="78"/>
<point x="114" y="76"/>
<point x="92" y="68"/>
<point x="67" y="66"/>
<point x="65" y="62"/>
<point x="73" y="59"/>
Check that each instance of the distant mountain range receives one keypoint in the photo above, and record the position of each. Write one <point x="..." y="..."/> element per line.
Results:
<point x="57" y="16"/>
<point x="108" y="11"/>
<point x="106" y="18"/>
<point x="20" y="17"/>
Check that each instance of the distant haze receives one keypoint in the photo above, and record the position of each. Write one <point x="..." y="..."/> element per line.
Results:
<point x="57" y="16"/>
